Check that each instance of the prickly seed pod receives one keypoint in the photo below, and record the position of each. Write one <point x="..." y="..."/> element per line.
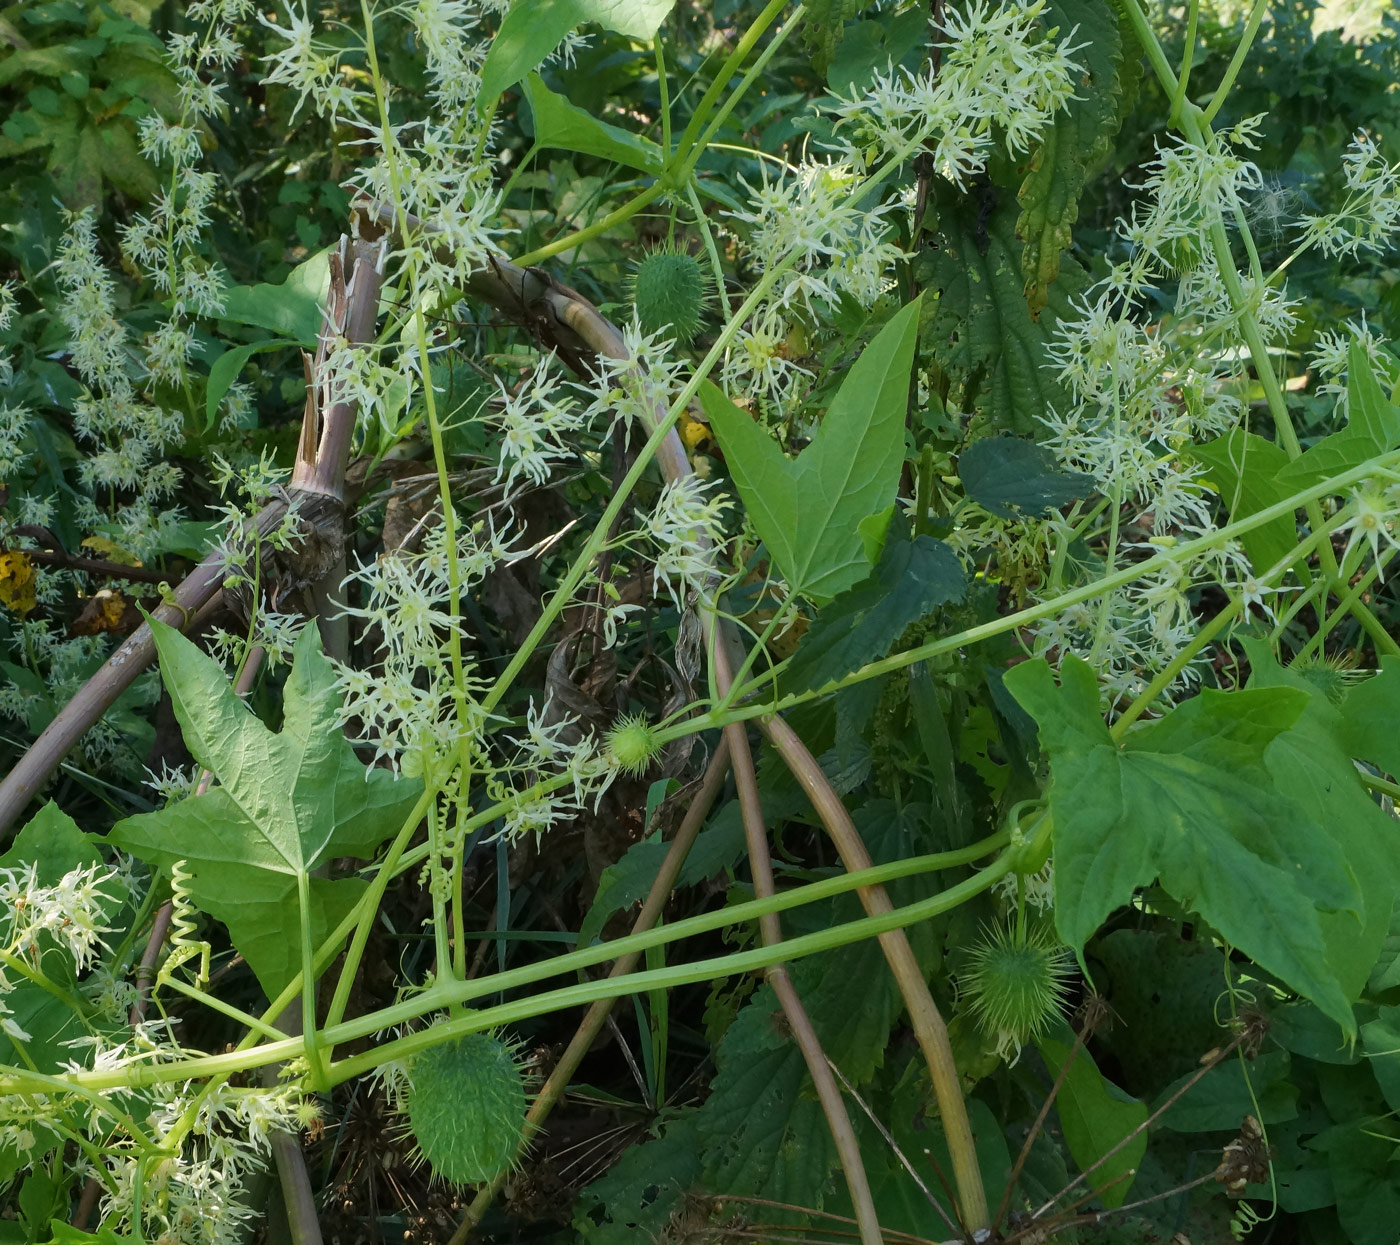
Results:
<point x="1332" y="674"/>
<point x="466" y="1108"/>
<point x="632" y="743"/>
<point x="1016" y="982"/>
<point x="669" y="287"/>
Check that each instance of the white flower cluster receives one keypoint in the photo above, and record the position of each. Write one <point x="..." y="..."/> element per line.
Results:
<point x="14" y="431"/>
<point x="444" y="183"/>
<point x="69" y="913"/>
<point x="128" y="437"/>
<point x="553" y="744"/>
<point x="1370" y="215"/>
<point x="1140" y="396"/>
<point x="8" y="306"/>
<point x="313" y="70"/>
<point x="831" y="243"/>
<point x="535" y="422"/>
<point x="1330" y="356"/>
<point x="684" y="530"/>
<point x="217" y="1136"/>
<point x="66" y="664"/>
<point x="434" y="169"/>
<point x="1000" y="78"/>
<point x="408" y="709"/>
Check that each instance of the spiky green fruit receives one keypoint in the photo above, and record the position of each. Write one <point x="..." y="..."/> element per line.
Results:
<point x="670" y="291"/>
<point x="632" y="743"/>
<point x="1017" y="982"/>
<point x="1332" y="674"/>
<point x="467" y="1107"/>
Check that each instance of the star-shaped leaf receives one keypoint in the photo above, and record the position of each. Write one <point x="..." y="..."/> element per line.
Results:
<point x="287" y="803"/>
<point x="1191" y="802"/>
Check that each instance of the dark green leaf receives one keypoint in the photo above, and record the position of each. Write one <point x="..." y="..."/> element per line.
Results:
<point x="1219" y="1100"/>
<point x="637" y="1199"/>
<point x="979" y="328"/>
<point x="1367" y="1182"/>
<point x="1077" y="140"/>
<point x="1381" y="1039"/>
<point x="717" y="847"/>
<point x="871" y="47"/>
<point x="826" y="26"/>
<point x="859" y="626"/>
<point x="761" y="1134"/>
<point x="1222" y="841"/>
<point x="1010" y="477"/>
<point x="1312" y="770"/>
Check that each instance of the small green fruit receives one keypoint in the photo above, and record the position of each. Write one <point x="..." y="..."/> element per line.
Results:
<point x="1332" y="674"/>
<point x="1016" y="982"/>
<point x="466" y="1108"/>
<point x="671" y="291"/>
<point x="632" y="743"/>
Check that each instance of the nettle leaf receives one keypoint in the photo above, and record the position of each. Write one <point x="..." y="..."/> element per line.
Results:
<point x="1010" y="477"/>
<point x="1221" y="838"/>
<point x="641" y="1193"/>
<point x="980" y="329"/>
<point x="808" y="509"/>
<point x="286" y="804"/>
<point x="912" y="578"/>
<point x="1244" y="469"/>
<point x="1373" y="427"/>
<point x="1077" y="140"/>
<point x="871" y="47"/>
<point x="1095" y="1115"/>
<point x="561" y="124"/>
<point x="761" y="1136"/>
<point x="531" y="31"/>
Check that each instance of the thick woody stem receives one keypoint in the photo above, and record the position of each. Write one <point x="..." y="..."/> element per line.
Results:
<point x="838" y="1121"/>
<point x="929" y="1029"/>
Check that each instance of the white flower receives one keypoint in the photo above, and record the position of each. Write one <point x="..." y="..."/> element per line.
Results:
<point x="535" y="423"/>
<point x="1375" y="512"/>
<point x="1371" y="213"/>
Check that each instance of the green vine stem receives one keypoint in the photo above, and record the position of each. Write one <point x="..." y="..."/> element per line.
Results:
<point x="1194" y="124"/>
<point x="1032" y="613"/>
<point x="587" y="1033"/>
<point x="250" y="1055"/>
